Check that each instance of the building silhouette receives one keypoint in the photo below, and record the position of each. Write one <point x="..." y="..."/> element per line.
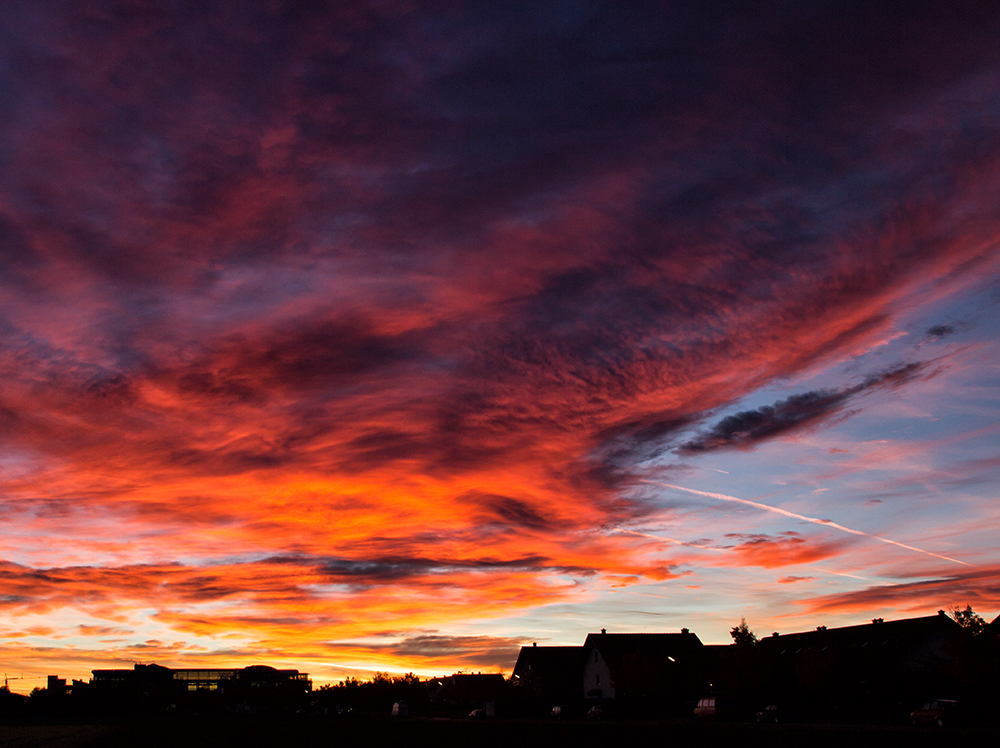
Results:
<point x="156" y="688"/>
<point x="654" y="672"/>
<point x="549" y="676"/>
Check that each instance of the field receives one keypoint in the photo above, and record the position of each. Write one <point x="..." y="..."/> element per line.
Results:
<point x="360" y="732"/>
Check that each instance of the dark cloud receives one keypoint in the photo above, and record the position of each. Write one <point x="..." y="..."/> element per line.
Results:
<point x="372" y="138"/>
<point x="626" y="443"/>
<point x="458" y="651"/>
<point x="376" y="571"/>
<point x="271" y="580"/>
<point x="749" y="427"/>
<point x="468" y="650"/>
<point x="376" y="448"/>
<point x="308" y="355"/>
<point x="940" y="331"/>
<point x="386" y="570"/>
<point x="517" y="513"/>
<point x="18" y="257"/>
<point x="508" y="511"/>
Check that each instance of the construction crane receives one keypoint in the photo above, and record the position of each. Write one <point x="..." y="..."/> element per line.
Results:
<point x="22" y="676"/>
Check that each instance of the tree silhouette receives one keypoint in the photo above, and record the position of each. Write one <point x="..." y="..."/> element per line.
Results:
<point x="969" y="620"/>
<point x="743" y="637"/>
<point x="11" y="704"/>
<point x="375" y="695"/>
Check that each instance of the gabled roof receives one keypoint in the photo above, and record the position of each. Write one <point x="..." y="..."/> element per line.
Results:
<point x="878" y="634"/>
<point x="547" y="663"/>
<point x="994" y="626"/>
<point x="474" y="686"/>
<point x="615" y="648"/>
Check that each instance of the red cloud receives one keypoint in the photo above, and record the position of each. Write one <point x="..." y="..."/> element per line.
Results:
<point x="978" y="588"/>
<point x="787" y="549"/>
<point x="346" y="323"/>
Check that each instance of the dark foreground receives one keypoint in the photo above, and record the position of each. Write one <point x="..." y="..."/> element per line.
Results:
<point x="320" y="732"/>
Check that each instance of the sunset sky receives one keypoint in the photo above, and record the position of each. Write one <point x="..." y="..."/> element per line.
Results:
<point x="397" y="335"/>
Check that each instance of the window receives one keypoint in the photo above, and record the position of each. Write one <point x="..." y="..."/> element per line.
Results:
<point x="597" y="680"/>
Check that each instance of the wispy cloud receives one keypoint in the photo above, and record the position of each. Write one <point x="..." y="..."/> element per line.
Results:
<point x="383" y="310"/>
<point x="977" y="588"/>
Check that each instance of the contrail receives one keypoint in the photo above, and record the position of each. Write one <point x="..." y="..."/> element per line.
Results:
<point x="793" y="515"/>
<point x="851" y="576"/>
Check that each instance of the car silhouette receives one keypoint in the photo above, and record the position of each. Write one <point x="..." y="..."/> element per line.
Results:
<point x="706" y="708"/>
<point x="940" y="712"/>
<point x="770" y="713"/>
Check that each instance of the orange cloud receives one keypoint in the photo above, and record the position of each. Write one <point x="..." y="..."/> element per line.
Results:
<point x="305" y="339"/>
<point x="787" y="549"/>
<point x="977" y="588"/>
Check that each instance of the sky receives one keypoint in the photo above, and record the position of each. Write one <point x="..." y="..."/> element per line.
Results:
<point x="395" y="336"/>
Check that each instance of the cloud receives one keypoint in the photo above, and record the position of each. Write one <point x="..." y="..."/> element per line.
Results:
<point x="749" y="427"/>
<point x="383" y="310"/>
<point x="507" y="511"/>
<point x="786" y="549"/>
<point x="86" y="630"/>
<point x="940" y="331"/>
<point x="979" y="587"/>
<point x="434" y="650"/>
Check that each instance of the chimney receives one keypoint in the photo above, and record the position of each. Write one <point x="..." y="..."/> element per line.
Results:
<point x="534" y="644"/>
<point x="684" y="631"/>
<point x="604" y="631"/>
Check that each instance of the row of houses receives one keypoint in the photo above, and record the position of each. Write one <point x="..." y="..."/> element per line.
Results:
<point x="875" y="667"/>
